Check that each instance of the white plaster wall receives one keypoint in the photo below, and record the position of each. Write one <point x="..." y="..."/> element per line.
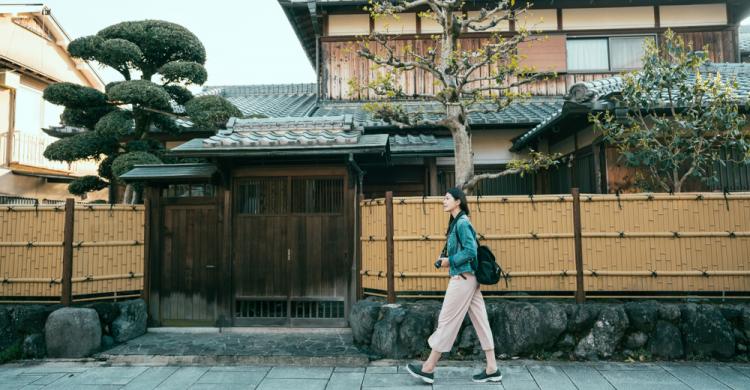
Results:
<point x="693" y="15"/>
<point x="33" y="187"/>
<point x="339" y="25"/>
<point x="539" y="19"/>
<point x="490" y="147"/>
<point x="397" y="24"/>
<point x="608" y="18"/>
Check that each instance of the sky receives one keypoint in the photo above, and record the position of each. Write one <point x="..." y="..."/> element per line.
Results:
<point x="247" y="42"/>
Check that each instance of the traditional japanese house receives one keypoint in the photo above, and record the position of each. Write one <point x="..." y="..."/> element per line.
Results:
<point x="264" y="230"/>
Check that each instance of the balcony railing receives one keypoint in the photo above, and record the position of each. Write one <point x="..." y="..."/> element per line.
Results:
<point x="28" y="149"/>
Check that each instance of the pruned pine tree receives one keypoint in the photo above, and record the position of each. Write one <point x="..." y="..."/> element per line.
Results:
<point x="157" y="61"/>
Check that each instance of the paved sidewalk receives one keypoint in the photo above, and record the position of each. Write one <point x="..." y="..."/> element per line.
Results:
<point x="377" y="375"/>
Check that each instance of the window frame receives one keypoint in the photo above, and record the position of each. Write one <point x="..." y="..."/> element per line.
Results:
<point x="608" y="38"/>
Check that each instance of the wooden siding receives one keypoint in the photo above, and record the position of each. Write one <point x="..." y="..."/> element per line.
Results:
<point x="107" y="251"/>
<point x="533" y="240"/>
<point x="340" y="62"/>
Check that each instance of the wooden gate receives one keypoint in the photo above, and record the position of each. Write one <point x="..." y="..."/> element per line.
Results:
<point x="291" y="248"/>
<point x="190" y="262"/>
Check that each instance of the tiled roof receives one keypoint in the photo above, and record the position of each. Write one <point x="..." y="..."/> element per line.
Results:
<point x="601" y="89"/>
<point x="421" y="145"/>
<point x="522" y="113"/>
<point x="163" y="172"/>
<point x="273" y="100"/>
<point x="286" y="136"/>
<point x="596" y="92"/>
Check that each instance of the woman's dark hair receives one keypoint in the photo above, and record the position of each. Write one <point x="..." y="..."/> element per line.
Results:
<point x="458" y="194"/>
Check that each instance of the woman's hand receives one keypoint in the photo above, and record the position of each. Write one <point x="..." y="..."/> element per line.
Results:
<point x="444" y="263"/>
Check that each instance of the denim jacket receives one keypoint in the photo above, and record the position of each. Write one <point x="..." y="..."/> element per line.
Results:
<point x="461" y="256"/>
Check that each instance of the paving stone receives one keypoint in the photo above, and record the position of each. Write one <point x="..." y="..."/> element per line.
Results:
<point x="151" y="378"/>
<point x="264" y="369"/>
<point x="551" y="377"/>
<point x="726" y="375"/>
<point x="250" y="378"/>
<point x="220" y="386"/>
<point x="18" y="381"/>
<point x="182" y="378"/>
<point x="286" y="384"/>
<point x="49" y="378"/>
<point x="103" y="376"/>
<point x="586" y="378"/>
<point x="349" y="369"/>
<point x="300" y="372"/>
<point x="695" y="378"/>
<point x="386" y="380"/>
<point x="345" y="380"/>
<point x="629" y="379"/>
<point x="382" y="370"/>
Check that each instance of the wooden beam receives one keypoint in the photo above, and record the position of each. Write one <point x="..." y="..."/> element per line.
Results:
<point x="67" y="269"/>
<point x="390" y="258"/>
<point x="580" y="293"/>
<point x="433" y="176"/>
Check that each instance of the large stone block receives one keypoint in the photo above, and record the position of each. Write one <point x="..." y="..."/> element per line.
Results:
<point x="707" y="333"/>
<point x="72" y="333"/>
<point x="666" y="342"/>
<point x="131" y="322"/>
<point x="604" y="337"/>
<point x="363" y="316"/>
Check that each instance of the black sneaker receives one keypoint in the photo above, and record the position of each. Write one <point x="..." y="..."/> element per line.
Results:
<point x="416" y="371"/>
<point x="483" y="377"/>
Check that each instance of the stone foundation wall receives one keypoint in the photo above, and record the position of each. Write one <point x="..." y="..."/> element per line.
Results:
<point x="26" y="331"/>
<point x="538" y="329"/>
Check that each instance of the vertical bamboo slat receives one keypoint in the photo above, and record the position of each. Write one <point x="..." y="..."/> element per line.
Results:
<point x="535" y="235"/>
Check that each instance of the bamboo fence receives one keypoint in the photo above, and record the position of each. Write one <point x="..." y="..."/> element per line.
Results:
<point x="636" y="244"/>
<point x="104" y="252"/>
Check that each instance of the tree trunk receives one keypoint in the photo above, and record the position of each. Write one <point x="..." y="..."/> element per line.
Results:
<point x="461" y="145"/>
<point x="127" y="196"/>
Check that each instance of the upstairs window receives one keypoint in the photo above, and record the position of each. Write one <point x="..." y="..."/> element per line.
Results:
<point x="607" y="53"/>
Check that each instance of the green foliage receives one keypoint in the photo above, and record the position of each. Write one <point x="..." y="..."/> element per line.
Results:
<point x="678" y="122"/>
<point x="144" y="48"/>
<point x="141" y="92"/>
<point x="185" y="72"/>
<point x="85" y="117"/>
<point x="165" y="123"/>
<point x="119" y="54"/>
<point x="126" y="161"/>
<point x="116" y="123"/>
<point x="211" y="112"/>
<point x="86" y="184"/>
<point x="74" y="96"/>
<point x="88" y="144"/>
<point x="86" y="48"/>
<point x="159" y="41"/>
<point x="13" y="352"/>
<point x="179" y="94"/>
<point x="145" y="145"/>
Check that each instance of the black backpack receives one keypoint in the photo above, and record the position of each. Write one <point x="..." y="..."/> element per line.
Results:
<point x="485" y="267"/>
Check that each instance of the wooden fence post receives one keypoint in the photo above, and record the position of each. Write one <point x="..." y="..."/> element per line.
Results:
<point x="580" y="293"/>
<point x="389" y="246"/>
<point x="67" y="269"/>
<point x="360" y="286"/>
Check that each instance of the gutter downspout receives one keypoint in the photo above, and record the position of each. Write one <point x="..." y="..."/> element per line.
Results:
<point x="312" y="8"/>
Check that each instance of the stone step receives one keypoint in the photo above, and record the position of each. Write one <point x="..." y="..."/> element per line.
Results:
<point x="239" y="346"/>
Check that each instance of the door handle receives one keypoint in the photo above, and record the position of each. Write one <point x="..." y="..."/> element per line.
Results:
<point x="210" y="266"/>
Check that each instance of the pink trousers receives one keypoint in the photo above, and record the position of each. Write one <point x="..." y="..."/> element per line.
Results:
<point x="461" y="296"/>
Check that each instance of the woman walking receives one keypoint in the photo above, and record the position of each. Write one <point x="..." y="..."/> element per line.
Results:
<point x="463" y="294"/>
